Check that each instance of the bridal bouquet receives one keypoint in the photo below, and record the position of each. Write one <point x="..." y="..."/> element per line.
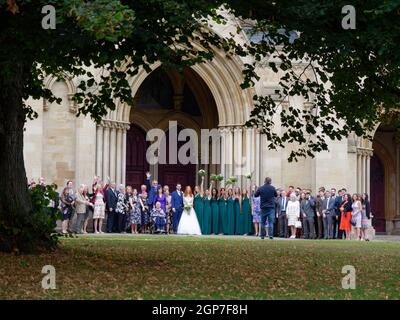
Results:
<point x="213" y="177"/>
<point x="188" y="207"/>
<point x="201" y="173"/>
<point x="219" y="177"/>
<point x="248" y="176"/>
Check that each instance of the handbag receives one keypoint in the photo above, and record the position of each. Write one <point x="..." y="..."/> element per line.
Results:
<point x="353" y="222"/>
<point x="297" y="224"/>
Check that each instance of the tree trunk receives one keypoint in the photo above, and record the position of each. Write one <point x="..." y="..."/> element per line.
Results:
<point x="15" y="202"/>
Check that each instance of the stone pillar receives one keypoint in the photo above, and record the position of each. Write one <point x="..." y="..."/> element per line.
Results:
<point x="222" y="132"/>
<point x="238" y="154"/>
<point x="99" y="150"/>
<point x="229" y="158"/>
<point x="368" y="188"/>
<point x="113" y="142"/>
<point x="118" y="178"/>
<point x="257" y="156"/>
<point x="249" y="153"/>
<point x="359" y="172"/>
<point x="106" y="152"/>
<point x="123" y="170"/>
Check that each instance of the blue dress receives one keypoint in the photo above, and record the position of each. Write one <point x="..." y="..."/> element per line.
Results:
<point x="162" y="200"/>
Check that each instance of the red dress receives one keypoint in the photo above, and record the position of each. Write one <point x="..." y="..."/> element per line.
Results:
<point x="345" y="221"/>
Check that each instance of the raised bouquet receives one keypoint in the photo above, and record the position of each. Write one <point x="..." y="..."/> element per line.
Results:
<point x="248" y="176"/>
<point x="213" y="177"/>
<point x="201" y="173"/>
<point x="219" y="177"/>
<point x="233" y="179"/>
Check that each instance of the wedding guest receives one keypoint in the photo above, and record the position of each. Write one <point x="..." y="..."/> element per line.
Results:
<point x="81" y="204"/>
<point x="318" y="210"/>
<point x="366" y="216"/>
<point x="111" y="205"/>
<point x="223" y="196"/>
<point x="136" y="214"/>
<point x="158" y="217"/>
<point x="282" y="202"/>
<point x="237" y="208"/>
<point x="145" y="213"/>
<point x="293" y="214"/>
<point x="99" y="207"/>
<point x="345" y="210"/>
<point x="67" y="202"/>
<point x="121" y="209"/>
<point x="160" y="197"/>
<point x="307" y="209"/>
<point x="152" y="190"/>
<point x="215" y="223"/>
<point x="168" y="213"/>
<point x="246" y="213"/>
<point x="89" y="209"/>
<point x="198" y="202"/>
<point x="177" y="206"/>
<point x="255" y="211"/>
<point x="207" y="213"/>
<point x="357" y="215"/>
<point x="338" y="201"/>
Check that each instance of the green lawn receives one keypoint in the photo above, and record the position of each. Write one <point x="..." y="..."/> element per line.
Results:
<point x="173" y="267"/>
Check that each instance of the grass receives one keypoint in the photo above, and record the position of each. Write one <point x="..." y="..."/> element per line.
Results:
<point x="173" y="267"/>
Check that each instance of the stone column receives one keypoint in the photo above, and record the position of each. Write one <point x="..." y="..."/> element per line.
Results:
<point x="99" y="150"/>
<point x="222" y="132"/>
<point x="106" y="152"/>
<point x="113" y="142"/>
<point x="257" y="156"/>
<point x="229" y="158"/>
<point x="249" y="153"/>
<point x="368" y="188"/>
<point x="123" y="170"/>
<point x="238" y="154"/>
<point x="359" y="172"/>
<point x="118" y="178"/>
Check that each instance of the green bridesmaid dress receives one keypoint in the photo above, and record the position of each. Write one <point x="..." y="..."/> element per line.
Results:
<point x="230" y="216"/>
<point x="198" y="207"/>
<point x="206" y="216"/>
<point x="215" y="215"/>
<point x="222" y="215"/>
<point x="247" y="217"/>
<point x="238" y="217"/>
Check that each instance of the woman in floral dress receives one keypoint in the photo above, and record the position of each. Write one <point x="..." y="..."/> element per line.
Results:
<point x="136" y="214"/>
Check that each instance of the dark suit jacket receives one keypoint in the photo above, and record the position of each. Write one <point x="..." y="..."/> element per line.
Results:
<point x="331" y="208"/>
<point x="176" y="200"/>
<point x="111" y="199"/>
<point x="267" y="194"/>
<point x="151" y="192"/>
<point x="307" y="207"/>
<point x="278" y="203"/>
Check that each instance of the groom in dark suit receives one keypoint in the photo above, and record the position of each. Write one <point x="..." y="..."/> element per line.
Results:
<point x="177" y="206"/>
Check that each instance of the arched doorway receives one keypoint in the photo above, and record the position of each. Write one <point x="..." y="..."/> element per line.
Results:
<point x="378" y="193"/>
<point x="165" y="96"/>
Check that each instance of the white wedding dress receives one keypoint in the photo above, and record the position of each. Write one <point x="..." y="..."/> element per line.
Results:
<point x="188" y="223"/>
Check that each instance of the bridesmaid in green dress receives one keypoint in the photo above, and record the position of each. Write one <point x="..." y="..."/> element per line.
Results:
<point x="230" y="214"/>
<point x="246" y="212"/>
<point x="207" y="213"/>
<point x="198" y="203"/>
<point x="237" y="208"/>
<point x="222" y="211"/>
<point x="214" y="211"/>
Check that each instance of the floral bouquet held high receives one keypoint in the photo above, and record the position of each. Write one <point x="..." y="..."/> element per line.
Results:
<point x="201" y="173"/>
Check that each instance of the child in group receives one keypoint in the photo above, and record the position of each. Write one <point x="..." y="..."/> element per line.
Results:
<point x="159" y="218"/>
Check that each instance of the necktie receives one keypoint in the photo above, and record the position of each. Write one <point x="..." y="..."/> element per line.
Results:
<point x="327" y="204"/>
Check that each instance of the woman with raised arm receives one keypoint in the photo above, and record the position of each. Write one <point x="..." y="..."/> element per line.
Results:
<point x="207" y="212"/>
<point x="222" y="210"/>
<point x="230" y="214"/>
<point x="246" y="213"/>
<point x="198" y="202"/>
<point x="237" y="208"/>
<point x="215" y="228"/>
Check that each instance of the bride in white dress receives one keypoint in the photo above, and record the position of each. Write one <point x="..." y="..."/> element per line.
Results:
<point x="188" y="223"/>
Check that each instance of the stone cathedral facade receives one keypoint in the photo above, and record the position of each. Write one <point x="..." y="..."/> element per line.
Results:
<point x="60" y="146"/>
